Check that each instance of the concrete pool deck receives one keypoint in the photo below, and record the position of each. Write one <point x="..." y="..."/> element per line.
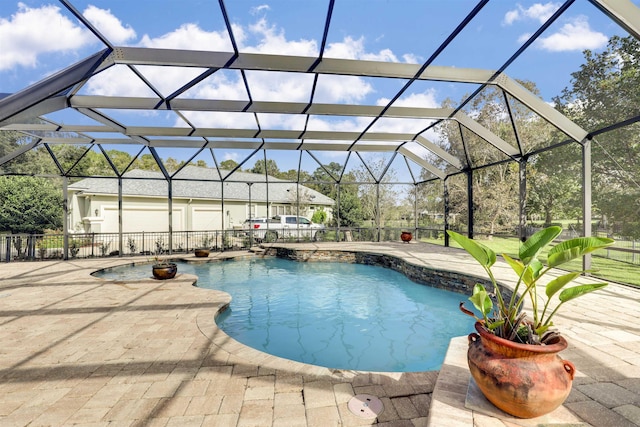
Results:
<point x="77" y="350"/>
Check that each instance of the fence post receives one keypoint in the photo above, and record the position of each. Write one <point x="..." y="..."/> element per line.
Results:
<point x="8" y="255"/>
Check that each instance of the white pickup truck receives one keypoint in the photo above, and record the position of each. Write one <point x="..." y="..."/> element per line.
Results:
<point x="283" y="227"/>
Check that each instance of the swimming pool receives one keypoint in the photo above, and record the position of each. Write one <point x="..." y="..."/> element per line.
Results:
<point x="337" y="315"/>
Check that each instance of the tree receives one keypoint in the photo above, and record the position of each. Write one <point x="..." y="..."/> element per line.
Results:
<point x="228" y="164"/>
<point x="605" y="92"/>
<point x="495" y="188"/>
<point x="378" y="201"/>
<point x="271" y="167"/>
<point x="34" y="161"/>
<point x="146" y="162"/>
<point x="29" y="205"/>
<point x="554" y="185"/>
<point x="325" y="183"/>
<point x="348" y="207"/>
<point x="319" y="216"/>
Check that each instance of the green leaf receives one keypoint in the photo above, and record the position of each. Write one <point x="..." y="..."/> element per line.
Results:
<point x="575" y="248"/>
<point x="576" y="291"/>
<point x="558" y="283"/>
<point x="493" y="325"/>
<point x="480" y="299"/>
<point x="533" y="271"/>
<point x="516" y="265"/>
<point x="542" y="329"/>
<point x="534" y="244"/>
<point x="485" y="256"/>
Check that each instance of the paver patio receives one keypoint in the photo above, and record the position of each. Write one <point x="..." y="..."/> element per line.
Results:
<point x="77" y="350"/>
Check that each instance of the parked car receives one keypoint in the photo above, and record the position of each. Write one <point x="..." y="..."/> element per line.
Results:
<point x="283" y="227"/>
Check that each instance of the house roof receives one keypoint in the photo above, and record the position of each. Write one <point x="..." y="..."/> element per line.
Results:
<point x="194" y="182"/>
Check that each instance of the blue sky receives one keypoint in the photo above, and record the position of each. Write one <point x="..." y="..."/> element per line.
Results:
<point x="38" y="38"/>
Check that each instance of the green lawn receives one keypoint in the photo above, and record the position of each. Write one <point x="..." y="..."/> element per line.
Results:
<point x="608" y="269"/>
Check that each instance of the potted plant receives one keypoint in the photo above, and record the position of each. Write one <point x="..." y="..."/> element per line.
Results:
<point x="205" y="245"/>
<point x="513" y="357"/>
<point x="163" y="269"/>
<point x="406" y="236"/>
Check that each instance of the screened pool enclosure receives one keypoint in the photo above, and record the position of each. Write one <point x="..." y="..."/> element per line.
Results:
<point x="228" y="111"/>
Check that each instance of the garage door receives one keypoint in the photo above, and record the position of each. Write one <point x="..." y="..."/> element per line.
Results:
<point x="206" y="219"/>
<point x="138" y="220"/>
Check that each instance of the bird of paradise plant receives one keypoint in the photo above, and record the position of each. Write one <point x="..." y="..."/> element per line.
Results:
<point x="506" y="318"/>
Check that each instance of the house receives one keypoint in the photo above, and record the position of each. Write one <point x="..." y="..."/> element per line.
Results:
<point x="201" y="201"/>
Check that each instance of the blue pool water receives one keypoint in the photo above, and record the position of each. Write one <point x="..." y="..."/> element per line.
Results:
<point x="347" y="316"/>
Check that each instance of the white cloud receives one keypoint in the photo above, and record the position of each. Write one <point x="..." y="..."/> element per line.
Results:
<point x="524" y="37"/>
<point x="511" y="17"/>
<point x="117" y="81"/>
<point x="277" y="86"/>
<point x="258" y="9"/>
<point x="574" y="35"/>
<point x="120" y="81"/>
<point x="189" y="37"/>
<point x="426" y="99"/>
<point x="232" y="155"/>
<point x="356" y="124"/>
<point x="347" y="89"/>
<point x="110" y="26"/>
<point x="31" y="32"/>
<point x="220" y="85"/>
<point x="539" y="12"/>
<point x="350" y="48"/>
<point x="411" y="58"/>
<point x="272" y="40"/>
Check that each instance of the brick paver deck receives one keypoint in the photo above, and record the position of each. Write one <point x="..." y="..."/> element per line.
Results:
<point x="77" y="350"/>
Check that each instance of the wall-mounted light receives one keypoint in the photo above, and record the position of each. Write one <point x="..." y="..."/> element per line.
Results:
<point x="96" y="212"/>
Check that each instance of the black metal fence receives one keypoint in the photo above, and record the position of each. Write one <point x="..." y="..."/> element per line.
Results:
<point x="36" y="247"/>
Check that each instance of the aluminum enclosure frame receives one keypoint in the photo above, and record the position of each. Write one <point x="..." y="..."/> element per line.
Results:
<point x="60" y="91"/>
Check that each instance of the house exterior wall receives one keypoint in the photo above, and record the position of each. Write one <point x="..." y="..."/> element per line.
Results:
<point x="99" y="213"/>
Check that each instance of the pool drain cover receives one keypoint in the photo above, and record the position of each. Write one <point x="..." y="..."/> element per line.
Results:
<point x="365" y="406"/>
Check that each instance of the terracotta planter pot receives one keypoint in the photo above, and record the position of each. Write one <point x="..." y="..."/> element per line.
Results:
<point x="521" y="379"/>
<point x="164" y="272"/>
<point x="201" y="253"/>
<point x="406" y="236"/>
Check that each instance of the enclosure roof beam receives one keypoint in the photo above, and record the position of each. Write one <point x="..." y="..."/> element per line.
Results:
<point x="340" y="145"/>
<point x="422" y="162"/>
<point x="540" y="107"/>
<point x="50" y="127"/>
<point x="19" y="151"/>
<point x="25" y="100"/>
<point x="624" y="12"/>
<point x="137" y="103"/>
<point x="295" y="64"/>
<point x="487" y="135"/>
<point x="438" y="151"/>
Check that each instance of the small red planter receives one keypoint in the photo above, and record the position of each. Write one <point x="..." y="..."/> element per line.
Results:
<point x="406" y="236"/>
